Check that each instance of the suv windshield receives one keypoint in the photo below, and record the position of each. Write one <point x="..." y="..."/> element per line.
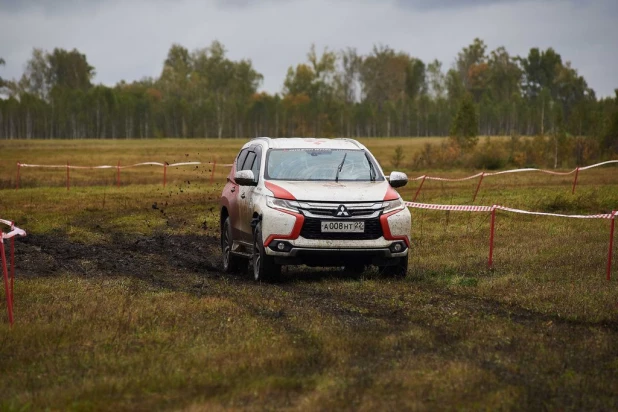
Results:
<point x="321" y="165"/>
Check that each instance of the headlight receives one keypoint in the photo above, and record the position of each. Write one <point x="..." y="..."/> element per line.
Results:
<point x="283" y="204"/>
<point x="392" y="205"/>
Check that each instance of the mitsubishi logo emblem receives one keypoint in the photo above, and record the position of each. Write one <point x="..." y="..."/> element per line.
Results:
<point x="342" y="211"/>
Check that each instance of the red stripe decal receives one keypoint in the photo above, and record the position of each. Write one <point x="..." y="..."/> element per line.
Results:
<point x="298" y="225"/>
<point x="278" y="191"/>
<point x="391" y="194"/>
<point x="386" y="230"/>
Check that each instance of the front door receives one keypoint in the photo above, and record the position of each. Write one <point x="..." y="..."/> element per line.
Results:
<point x="232" y="193"/>
<point x="246" y="197"/>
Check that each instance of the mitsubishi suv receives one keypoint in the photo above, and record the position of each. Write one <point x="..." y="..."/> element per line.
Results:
<point x="317" y="202"/>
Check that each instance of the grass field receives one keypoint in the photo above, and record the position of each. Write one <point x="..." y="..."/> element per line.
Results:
<point x="120" y="302"/>
<point x="110" y="152"/>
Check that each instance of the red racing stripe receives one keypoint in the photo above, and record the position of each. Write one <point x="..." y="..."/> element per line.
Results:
<point x="278" y="191"/>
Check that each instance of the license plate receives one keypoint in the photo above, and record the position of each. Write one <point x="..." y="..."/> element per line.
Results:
<point x="342" y="227"/>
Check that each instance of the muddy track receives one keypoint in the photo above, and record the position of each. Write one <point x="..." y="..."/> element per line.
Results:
<point x="141" y="256"/>
<point x="154" y="258"/>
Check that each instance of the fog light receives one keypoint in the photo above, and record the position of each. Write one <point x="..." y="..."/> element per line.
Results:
<point x="397" y="247"/>
<point x="279" y="246"/>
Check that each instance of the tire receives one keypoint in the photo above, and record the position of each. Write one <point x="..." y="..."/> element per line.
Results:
<point x="398" y="270"/>
<point x="231" y="263"/>
<point x="264" y="266"/>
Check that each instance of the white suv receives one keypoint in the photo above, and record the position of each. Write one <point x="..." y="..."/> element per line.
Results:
<point x="318" y="202"/>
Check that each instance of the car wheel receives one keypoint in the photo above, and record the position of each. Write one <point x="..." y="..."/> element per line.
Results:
<point x="397" y="270"/>
<point x="231" y="263"/>
<point x="264" y="266"/>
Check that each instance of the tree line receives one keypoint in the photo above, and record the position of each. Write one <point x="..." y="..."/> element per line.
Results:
<point x="203" y="93"/>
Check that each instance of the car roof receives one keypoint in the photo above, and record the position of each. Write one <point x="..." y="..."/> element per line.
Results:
<point x="310" y="143"/>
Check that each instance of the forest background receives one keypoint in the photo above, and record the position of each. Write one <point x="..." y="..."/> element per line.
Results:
<point x="551" y="115"/>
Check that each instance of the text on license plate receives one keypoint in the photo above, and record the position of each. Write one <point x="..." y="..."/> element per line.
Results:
<point x="343" y="227"/>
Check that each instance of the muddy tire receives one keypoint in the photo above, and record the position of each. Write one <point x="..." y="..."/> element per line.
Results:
<point x="264" y="267"/>
<point x="398" y="270"/>
<point x="231" y="263"/>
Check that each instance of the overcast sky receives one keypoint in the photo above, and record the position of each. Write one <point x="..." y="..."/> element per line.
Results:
<point x="130" y="39"/>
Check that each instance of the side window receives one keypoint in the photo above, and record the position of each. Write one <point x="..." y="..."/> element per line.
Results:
<point x="257" y="163"/>
<point x="249" y="161"/>
<point x="241" y="159"/>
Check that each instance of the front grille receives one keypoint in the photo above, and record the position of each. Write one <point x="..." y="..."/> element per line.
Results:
<point x="312" y="230"/>
<point x="359" y="210"/>
<point x="331" y="213"/>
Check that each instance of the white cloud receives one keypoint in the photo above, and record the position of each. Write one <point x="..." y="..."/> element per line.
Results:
<point x="130" y="39"/>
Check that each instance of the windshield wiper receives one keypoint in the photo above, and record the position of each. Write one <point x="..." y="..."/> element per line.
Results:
<point x="372" y="170"/>
<point x="340" y="167"/>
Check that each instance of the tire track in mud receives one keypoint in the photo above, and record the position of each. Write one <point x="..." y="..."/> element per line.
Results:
<point x="139" y="256"/>
<point x="160" y="254"/>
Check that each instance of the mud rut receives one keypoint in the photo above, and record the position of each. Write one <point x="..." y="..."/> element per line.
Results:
<point x="162" y="259"/>
<point x="142" y="257"/>
<point x="160" y="255"/>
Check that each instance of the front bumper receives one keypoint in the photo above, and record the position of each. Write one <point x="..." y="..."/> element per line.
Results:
<point x="336" y="257"/>
<point x="387" y="238"/>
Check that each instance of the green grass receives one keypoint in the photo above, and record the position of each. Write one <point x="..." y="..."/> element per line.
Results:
<point x="120" y="305"/>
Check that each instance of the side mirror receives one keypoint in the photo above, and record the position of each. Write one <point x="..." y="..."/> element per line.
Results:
<point x="245" y="178"/>
<point x="398" y="179"/>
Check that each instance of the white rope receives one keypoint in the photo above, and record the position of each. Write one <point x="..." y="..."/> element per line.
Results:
<point x="551" y="172"/>
<point x="125" y="166"/>
<point x="472" y="208"/>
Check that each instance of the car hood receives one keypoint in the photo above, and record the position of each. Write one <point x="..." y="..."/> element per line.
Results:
<point x="332" y="191"/>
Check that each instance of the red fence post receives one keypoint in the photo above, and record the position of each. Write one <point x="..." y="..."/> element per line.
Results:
<point x="68" y="178"/>
<point x="9" y="299"/>
<point x="17" y="180"/>
<point x="478" y="186"/>
<point x="611" y="246"/>
<point x="212" y="175"/>
<point x="12" y="269"/>
<point x="490" y="263"/>
<point x="419" y="188"/>
<point x="164" y="174"/>
<point x="575" y="181"/>
<point x="118" y="174"/>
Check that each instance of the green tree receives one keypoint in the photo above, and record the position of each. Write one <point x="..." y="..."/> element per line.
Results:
<point x="220" y="71"/>
<point x="69" y="69"/>
<point x="469" y="58"/>
<point x="347" y="81"/>
<point x="504" y="79"/>
<point x="244" y="85"/>
<point x="464" y="130"/>
<point x="387" y="76"/>
<point x="540" y="70"/>
<point x="37" y="76"/>
<point x="610" y="132"/>
<point x="309" y="91"/>
<point x="174" y="83"/>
